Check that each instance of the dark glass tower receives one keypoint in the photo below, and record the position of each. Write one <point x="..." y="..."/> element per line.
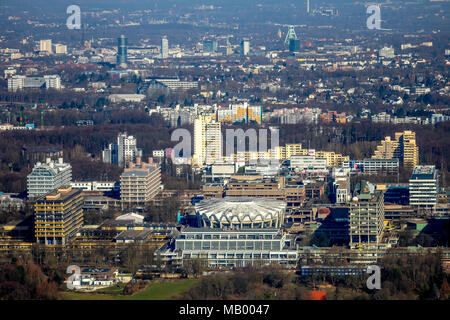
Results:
<point x="122" y="43"/>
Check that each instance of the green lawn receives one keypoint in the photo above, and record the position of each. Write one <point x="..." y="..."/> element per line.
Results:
<point x="156" y="290"/>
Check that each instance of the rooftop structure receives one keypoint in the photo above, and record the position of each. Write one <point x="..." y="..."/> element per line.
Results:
<point x="241" y="213"/>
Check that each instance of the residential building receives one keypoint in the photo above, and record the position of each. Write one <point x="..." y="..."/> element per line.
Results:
<point x="48" y="176"/>
<point x="140" y="183"/>
<point x="60" y="49"/>
<point x="123" y="152"/>
<point x="207" y="141"/>
<point x="245" y="47"/>
<point x="46" y="46"/>
<point x="164" y="48"/>
<point x="402" y="147"/>
<point x="58" y="216"/>
<point x="240" y="113"/>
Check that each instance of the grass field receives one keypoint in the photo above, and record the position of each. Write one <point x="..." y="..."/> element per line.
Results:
<point x="156" y="290"/>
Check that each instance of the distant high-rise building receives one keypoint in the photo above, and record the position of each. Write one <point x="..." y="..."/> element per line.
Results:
<point x="210" y="45"/>
<point x="403" y="147"/>
<point x="123" y="152"/>
<point x="423" y="187"/>
<point x="140" y="182"/>
<point x="58" y="216"/>
<point x="60" y="49"/>
<point x="307" y="6"/>
<point x="122" y="43"/>
<point x="366" y="216"/>
<point x="47" y="177"/>
<point x="245" y="47"/>
<point x="207" y="141"/>
<point x="294" y="45"/>
<point x="46" y="46"/>
<point x="164" y="48"/>
<point x="229" y="49"/>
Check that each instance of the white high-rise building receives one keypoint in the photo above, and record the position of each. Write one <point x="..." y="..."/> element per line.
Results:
<point x="53" y="81"/>
<point x="423" y="187"/>
<point x="164" y="48"/>
<point x="47" y="177"/>
<point x="207" y="141"/>
<point x="122" y="153"/>
<point x="46" y="46"/>
<point x="245" y="47"/>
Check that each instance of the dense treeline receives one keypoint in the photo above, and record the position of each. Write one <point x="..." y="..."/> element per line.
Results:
<point x="25" y="280"/>
<point x="82" y="147"/>
<point x="412" y="277"/>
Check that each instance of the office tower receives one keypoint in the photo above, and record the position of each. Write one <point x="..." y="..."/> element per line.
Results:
<point x="122" y="43"/>
<point x="294" y="45"/>
<point x="123" y="152"/>
<point x="307" y="6"/>
<point x="140" y="182"/>
<point x="58" y="216"/>
<point x="290" y="35"/>
<point x="48" y="176"/>
<point x="210" y="45"/>
<point x="366" y="217"/>
<point x="403" y="147"/>
<point x="207" y="141"/>
<point x="45" y="46"/>
<point x="245" y="47"/>
<point x="423" y="187"/>
<point x="164" y="48"/>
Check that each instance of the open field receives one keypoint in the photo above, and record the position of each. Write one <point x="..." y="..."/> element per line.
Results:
<point x="157" y="290"/>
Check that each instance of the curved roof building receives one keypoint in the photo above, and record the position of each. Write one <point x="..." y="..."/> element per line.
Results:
<point x="241" y="213"/>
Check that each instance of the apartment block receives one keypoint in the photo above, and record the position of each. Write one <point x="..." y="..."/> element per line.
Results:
<point x="58" y="216"/>
<point x="140" y="183"/>
<point x="402" y="147"/>
<point x="47" y="177"/>
<point x="207" y="141"/>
